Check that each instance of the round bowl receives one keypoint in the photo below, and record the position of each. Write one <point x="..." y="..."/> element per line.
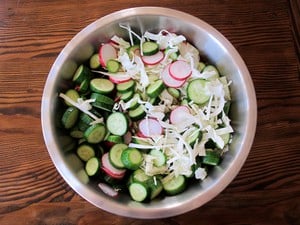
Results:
<point x="213" y="46"/>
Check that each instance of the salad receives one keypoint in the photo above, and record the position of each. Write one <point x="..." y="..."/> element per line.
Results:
<point x="149" y="116"/>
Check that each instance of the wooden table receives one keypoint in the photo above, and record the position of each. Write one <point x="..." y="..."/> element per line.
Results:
<point x="267" y="35"/>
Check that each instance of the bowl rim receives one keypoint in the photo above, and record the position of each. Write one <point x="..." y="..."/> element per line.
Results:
<point x="147" y="212"/>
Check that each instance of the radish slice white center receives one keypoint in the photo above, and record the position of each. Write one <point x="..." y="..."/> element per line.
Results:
<point x="179" y="114"/>
<point x="107" y="190"/>
<point x="153" y="59"/>
<point x="107" y="52"/>
<point x="150" y="127"/>
<point x="109" y="169"/>
<point x="180" y="70"/>
<point x="169" y="80"/>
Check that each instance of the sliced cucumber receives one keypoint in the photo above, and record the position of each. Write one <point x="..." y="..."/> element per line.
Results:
<point x="150" y="48"/>
<point x="114" y="139"/>
<point x="174" y="92"/>
<point x="137" y="113"/>
<point x="197" y="91"/>
<point x="175" y="185"/>
<point x="160" y="157"/>
<point x="102" y="102"/>
<point x="72" y="94"/>
<point x="112" y="66"/>
<point x="115" y="155"/>
<point x="195" y="135"/>
<point x="84" y="86"/>
<point x="212" y="157"/>
<point x="155" y="187"/>
<point x="70" y="117"/>
<point x="95" y="133"/>
<point x="201" y="66"/>
<point x="155" y="89"/>
<point x="140" y="176"/>
<point x="126" y="96"/>
<point x="94" y="61"/>
<point x="101" y="85"/>
<point x="92" y="166"/>
<point x="139" y="192"/>
<point x="85" y="152"/>
<point x="82" y="73"/>
<point x="211" y="69"/>
<point x="126" y="86"/>
<point x="117" y="123"/>
<point x="132" y="158"/>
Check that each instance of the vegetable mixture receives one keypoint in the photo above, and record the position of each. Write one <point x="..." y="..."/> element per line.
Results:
<point x="149" y="115"/>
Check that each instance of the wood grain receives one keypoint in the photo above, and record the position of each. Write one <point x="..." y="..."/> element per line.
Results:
<point x="266" y="34"/>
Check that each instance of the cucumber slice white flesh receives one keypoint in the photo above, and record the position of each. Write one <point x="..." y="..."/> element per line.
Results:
<point x="117" y="123"/>
<point x="115" y="155"/>
<point x="132" y="158"/>
<point x="92" y="167"/>
<point x="85" y="152"/>
<point x="160" y="157"/>
<point x="95" y="133"/>
<point x="101" y="85"/>
<point x="197" y="91"/>
<point x="138" y="191"/>
<point x="175" y="185"/>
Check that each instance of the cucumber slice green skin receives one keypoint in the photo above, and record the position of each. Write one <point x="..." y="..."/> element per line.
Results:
<point x="150" y="48"/>
<point x="102" y="102"/>
<point x="175" y="185"/>
<point x="95" y="133"/>
<point x="197" y="91"/>
<point x="155" y="89"/>
<point x="155" y="187"/>
<point x="72" y="94"/>
<point x="125" y="86"/>
<point x="132" y="158"/>
<point x="94" y="61"/>
<point x="138" y="191"/>
<point x="101" y="85"/>
<point x="140" y="176"/>
<point x="92" y="166"/>
<point x="115" y="155"/>
<point x="137" y="113"/>
<point x="117" y="123"/>
<point x="211" y="158"/>
<point x="70" y="117"/>
<point x="82" y="73"/>
<point x="85" y="152"/>
<point x="112" y="66"/>
<point x="160" y="157"/>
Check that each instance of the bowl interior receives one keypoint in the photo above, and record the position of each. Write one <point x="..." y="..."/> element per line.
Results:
<point x="212" y="45"/>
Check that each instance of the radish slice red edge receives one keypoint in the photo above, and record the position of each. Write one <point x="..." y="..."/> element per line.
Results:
<point x="109" y="169"/>
<point x="118" y="80"/>
<point x="150" y="127"/>
<point x="177" y="115"/>
<point x="153" y="59"/>
<point x="108" y="189"/>
<point x="169" y="80"/>
<point x="106" y="52"/>
<point x="180" y="70"/>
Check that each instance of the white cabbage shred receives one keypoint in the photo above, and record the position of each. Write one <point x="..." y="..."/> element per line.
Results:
<point x="174" y="141"/>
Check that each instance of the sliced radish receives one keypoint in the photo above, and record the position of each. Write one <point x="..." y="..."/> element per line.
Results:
<point x="108" y="189"/>
<point x="169" y="80"/>
<point x="109" y="169"/>
<point x="118" y="80"/>
<point x="107" y="52"/>
<point x="153" y="59"/>
<point x="179" y="114"/>
<point x="150" y="127"/>
<point x="180" y="70"/>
